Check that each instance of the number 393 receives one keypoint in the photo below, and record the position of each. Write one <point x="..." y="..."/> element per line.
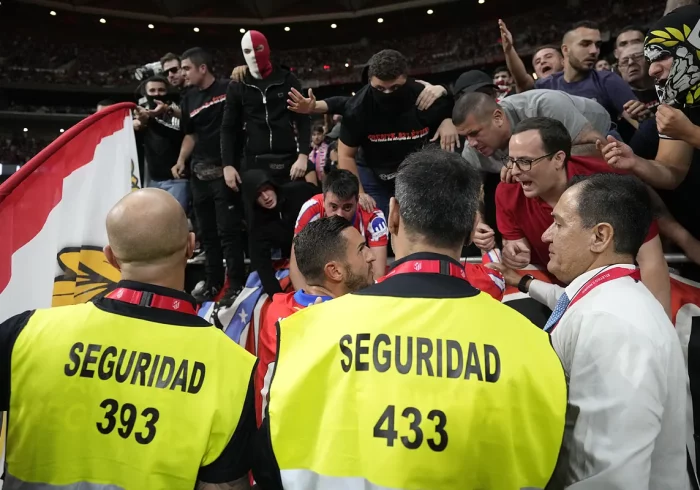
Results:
<point x="127" y="418"/>
<point x="385" y="428"/>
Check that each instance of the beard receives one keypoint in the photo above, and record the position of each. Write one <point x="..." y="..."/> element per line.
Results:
<point x="577" y="64"/>
<point x="355" y="282"/>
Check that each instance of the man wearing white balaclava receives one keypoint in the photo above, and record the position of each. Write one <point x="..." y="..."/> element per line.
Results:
<point x="259" y="102"/>
<point x="256" y="52"/>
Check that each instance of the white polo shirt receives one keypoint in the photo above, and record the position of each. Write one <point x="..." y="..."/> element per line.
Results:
<point x="627" y="426"/>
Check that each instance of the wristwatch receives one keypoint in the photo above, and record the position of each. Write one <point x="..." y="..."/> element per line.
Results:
<point x="525" y="282"/>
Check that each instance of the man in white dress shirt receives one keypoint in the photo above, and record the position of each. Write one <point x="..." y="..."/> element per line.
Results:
<point x="627" y="423"/>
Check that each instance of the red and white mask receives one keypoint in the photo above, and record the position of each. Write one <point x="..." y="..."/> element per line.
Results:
<point x="256" y="52"/>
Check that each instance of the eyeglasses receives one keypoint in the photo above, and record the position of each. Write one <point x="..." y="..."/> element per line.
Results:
<point x="172" y="70"/>
<point x="635" y="58"/>
<point x="523" y="164"/>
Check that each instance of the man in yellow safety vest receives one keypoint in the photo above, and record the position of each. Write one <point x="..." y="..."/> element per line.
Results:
<point x="421" y="380"/>
<point x="133" y="391"/>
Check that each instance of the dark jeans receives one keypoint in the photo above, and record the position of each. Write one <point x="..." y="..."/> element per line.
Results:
<point x="219" y="212"/>
<point x="376" y="189"/>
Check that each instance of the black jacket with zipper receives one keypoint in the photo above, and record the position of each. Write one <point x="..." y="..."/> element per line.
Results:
<point x="261" y="107"/>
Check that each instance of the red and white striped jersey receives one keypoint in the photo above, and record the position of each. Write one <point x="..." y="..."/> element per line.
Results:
<point x="371" y="225"/>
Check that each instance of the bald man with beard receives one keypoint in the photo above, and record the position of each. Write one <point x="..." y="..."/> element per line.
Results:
<point x="132" y="390"/>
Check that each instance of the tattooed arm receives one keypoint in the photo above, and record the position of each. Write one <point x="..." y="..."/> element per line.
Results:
<point x="674" y="4"/>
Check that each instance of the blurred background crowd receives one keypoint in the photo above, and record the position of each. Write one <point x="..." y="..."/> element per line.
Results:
<point x="39" y="58"/>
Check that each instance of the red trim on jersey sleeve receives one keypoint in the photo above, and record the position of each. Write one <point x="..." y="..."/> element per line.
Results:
<point x="376" y="229"/>
<point x="487" y="280"/>
<point x="310" y="211"/>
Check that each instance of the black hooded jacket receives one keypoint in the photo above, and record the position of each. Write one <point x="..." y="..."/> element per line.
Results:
<point x="270" y="229"/>
<point x="261" y="105"/>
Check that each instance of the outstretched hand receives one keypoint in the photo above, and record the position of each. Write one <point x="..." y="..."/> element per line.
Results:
<point x="300" y="104"/>
<point x="506" y="36"/>
<point x="429" y="95"/>
<point x="618" y="154"/>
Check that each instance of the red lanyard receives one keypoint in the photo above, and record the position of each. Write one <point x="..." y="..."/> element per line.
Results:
<point x="427" y="266"/>
<point x="606" y="275"/>
<point x="151" y="300"/>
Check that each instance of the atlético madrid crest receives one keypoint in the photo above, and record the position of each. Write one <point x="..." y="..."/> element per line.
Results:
<point x="85" y="275"/>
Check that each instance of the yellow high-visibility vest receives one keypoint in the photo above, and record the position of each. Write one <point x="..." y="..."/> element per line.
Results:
<point x="119" y="402"/>
<point x="377" y="392"/>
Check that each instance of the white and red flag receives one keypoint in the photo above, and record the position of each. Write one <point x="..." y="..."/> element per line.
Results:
<point x="53" y="210"/>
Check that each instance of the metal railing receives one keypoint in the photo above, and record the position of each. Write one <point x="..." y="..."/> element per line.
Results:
<point x="670" y="258"/>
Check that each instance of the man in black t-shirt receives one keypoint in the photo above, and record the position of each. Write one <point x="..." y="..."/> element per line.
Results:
<point x="218" y="208"/>
<point x="162" y="140"/>
<point x="383" y="120"/>
<point x="338" y="105"/>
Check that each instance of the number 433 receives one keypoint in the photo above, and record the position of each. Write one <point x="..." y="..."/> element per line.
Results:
<point x="390" y="434"/>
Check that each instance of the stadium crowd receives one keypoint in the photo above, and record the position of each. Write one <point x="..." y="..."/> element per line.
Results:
<point x="18" y="150"/>
<point x="583" y="169"/>
<point x="41" y="60"/>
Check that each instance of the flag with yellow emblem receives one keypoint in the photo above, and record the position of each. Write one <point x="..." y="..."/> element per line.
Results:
<point x="53" y="214"/>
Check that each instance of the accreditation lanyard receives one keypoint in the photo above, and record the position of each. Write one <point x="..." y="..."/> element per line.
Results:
<point x="152" y="300"/>
<point x="427" y="266"/>
<point x="606" y="275"/>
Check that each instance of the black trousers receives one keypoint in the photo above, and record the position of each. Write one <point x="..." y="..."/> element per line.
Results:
<point x="219" y="212"/>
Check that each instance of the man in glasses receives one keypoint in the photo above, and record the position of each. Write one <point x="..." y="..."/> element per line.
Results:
<point x="541" y="164"/>
<point x="634" y="70"/>
<point x="171" y="69"/>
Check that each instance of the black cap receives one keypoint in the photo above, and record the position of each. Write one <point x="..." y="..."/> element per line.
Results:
<point x="471" y="81"/>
